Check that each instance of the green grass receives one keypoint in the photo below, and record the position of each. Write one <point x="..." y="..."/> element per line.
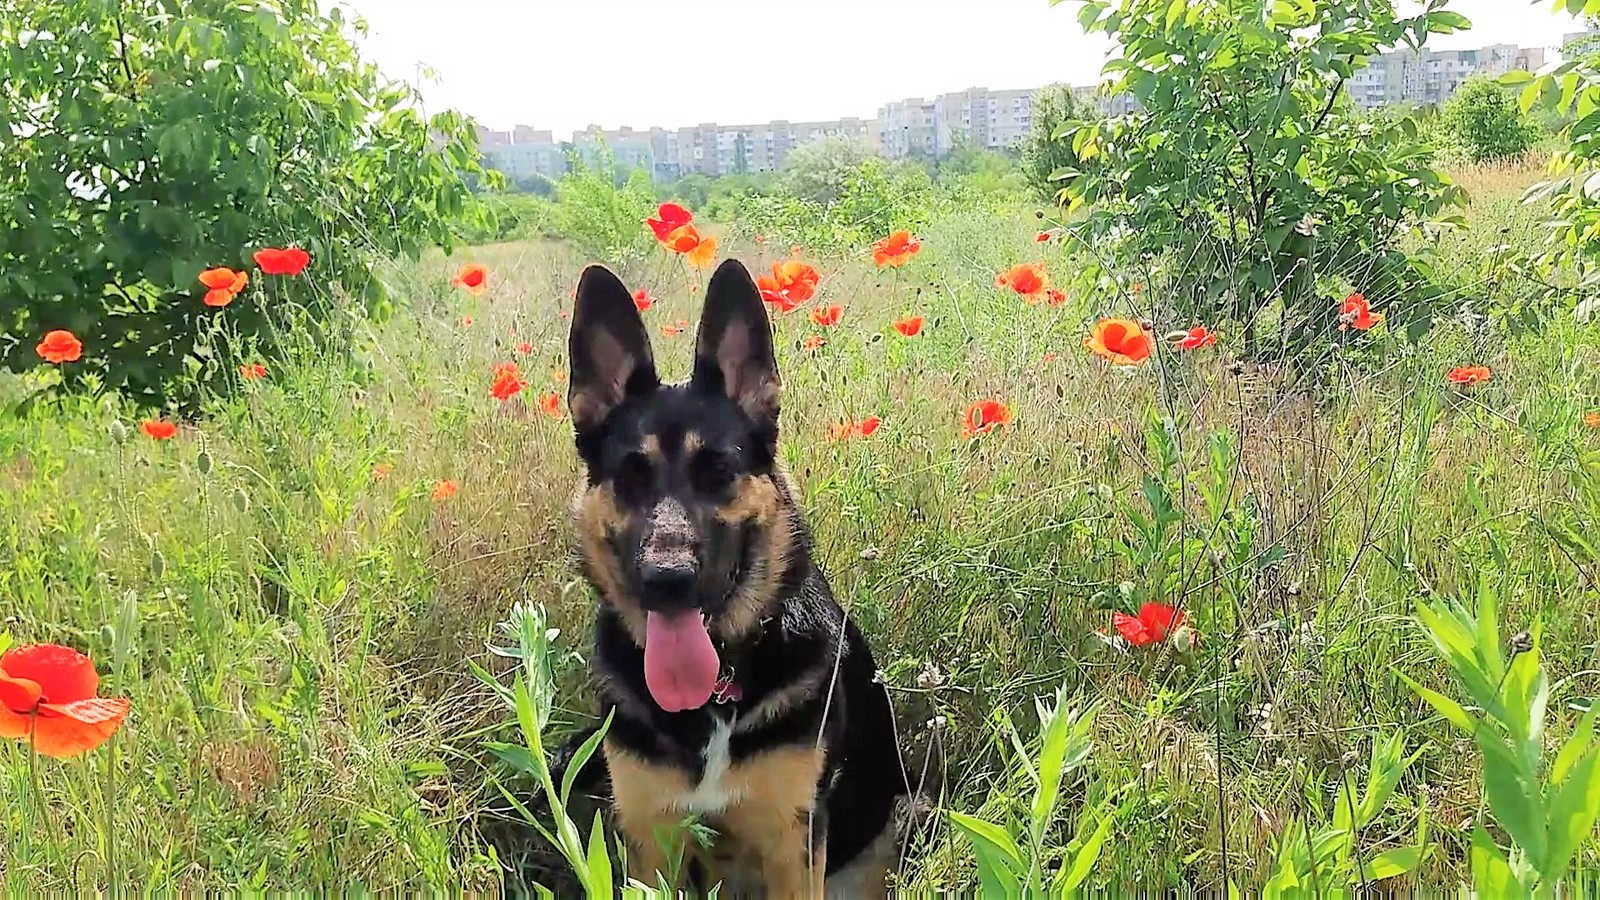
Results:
<point x="295" y="632"/>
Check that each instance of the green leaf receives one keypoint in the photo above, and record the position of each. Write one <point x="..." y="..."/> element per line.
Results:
<point x="999" y="862"/>
<point x="599" y="882"/>
<point x="1513" y="794"/>
<point x="1070" y="878"/>
<point x="580" y="757"/>
<point x="1491" y="874"/>
<point x="1390" y="863"/>
<point x="1572" y="814"/>
<point x="1451" y="710"/>
<point x="1575" y="747"/>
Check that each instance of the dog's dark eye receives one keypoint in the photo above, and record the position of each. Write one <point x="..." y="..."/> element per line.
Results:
<point x="712" y="472"/>
<point x="634" y="479"/>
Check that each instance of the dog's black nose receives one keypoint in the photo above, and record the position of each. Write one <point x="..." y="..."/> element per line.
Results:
<point x="668" y="586"/>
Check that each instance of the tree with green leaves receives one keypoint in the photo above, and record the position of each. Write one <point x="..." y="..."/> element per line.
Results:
<point x="1570" y="90"/>
<point x="150" y="140"/>
<point x="1247" y="172"/>
<point x="1055" y="109"/>
<point x="1484" y="121"/>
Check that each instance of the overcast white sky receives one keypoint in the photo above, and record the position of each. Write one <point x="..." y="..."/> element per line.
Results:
<point x="566" y="64"/>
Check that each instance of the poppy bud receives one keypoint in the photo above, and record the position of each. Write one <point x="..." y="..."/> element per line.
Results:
<point x="869" y="554"/>
<point x="108" y="636"/>
<point x="1126" y="589"/>
<point x="119" y="431"/>
<point x="203" y="463"/>
<point x="158" y="565"/>
<point x="1183" y="639"/>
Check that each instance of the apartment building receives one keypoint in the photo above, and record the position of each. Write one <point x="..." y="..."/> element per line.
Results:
<point x="908" y="128"/>
<point x="522" y="152"/>
<point x="629" y="149"/>
<point x="1430" y="77"/>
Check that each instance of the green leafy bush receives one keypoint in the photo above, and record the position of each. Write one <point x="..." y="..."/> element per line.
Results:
<point x="1248" y="170"/>
<point x="1055" y="110"/>
<point x="602" y="209"/>
<point x="1570" y="91"/>
<point x="1546" y="808"/>
<point x="1484" y="121"/>
<point x="158" y="139"/>
<point x="869" y="200"/>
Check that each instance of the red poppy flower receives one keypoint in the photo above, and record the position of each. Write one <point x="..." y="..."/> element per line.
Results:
<point x="869" y="425"/>
<point x="759" y="239"/>
<point x="642" y="300"/>
<point x="673" y="330"/>
<point x="813" y="343"/>
<point x="792" y="283"/>
<point x="474" y="277"/>
<point x="669" y="217"/>
<point x="1469" y="374"/>
<point x="910" y="326"/>
<point x="382" y="471"/>
<point x="444" y="490"/>
<point x="550" y="404"/>
<point x="508" y="381"/>
<point x="984" y="416"/>
<point x="558" y="376"/>
<point x="1356" y="313"/>
<point x="60" y="346"/>
<point x="895" y="250"/>
<point x="827" y="316"/>
<point x="252" y="371"/>
<point x="841" y="431"/>
<point x="1196" y="338"/>
<point x="1029" y="280"/>
<point x="158" y="429"/>
<point x="223" y="284"/>
<point x="1049" y="358"/>
<point x="699" y="251"/>
<point x="1155" y="622"/>
<point x="1122" y="341"/>
<point x="524" y="348"/>
<point x="466" y="321"/>
<point x="1592" y="419"/>
<point x="1041" y="237"/>
<point x="47" y="698"/>
<point x="1055" y="297"/>
<point x="286" y="261"/>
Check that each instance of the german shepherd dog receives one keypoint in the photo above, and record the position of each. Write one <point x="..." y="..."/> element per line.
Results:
<point x="741" y="692"/>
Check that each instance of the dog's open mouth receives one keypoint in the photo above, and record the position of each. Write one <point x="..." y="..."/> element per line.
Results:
<point x="680" y="664"/>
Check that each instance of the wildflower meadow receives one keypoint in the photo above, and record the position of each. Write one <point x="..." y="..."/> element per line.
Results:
<point x="1221" y="512"/>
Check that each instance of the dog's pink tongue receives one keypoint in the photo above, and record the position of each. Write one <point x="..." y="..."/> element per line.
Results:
<point x="680" y="665"/>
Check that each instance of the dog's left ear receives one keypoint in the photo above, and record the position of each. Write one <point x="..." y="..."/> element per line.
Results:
<point x="733" y="350"/>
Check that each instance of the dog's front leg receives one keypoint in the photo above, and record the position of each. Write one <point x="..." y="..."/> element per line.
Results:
<point x="778" y="820"/>
<point x="644" y="793"/>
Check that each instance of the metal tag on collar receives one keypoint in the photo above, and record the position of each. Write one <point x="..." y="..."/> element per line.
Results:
<point x="726" y="689"/>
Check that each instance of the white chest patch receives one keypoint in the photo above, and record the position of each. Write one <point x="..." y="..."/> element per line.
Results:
<point x="713" y="794"/>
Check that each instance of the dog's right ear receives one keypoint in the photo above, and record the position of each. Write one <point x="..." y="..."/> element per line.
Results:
<point x="609" y="350"/>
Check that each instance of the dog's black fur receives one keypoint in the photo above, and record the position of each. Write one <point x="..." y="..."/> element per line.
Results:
<point x="684" y="505"/>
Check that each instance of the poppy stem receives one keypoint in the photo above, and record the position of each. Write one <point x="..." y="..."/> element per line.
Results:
<point x="38" y="785"/>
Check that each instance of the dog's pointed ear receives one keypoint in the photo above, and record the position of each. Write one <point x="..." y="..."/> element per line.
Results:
<point x="733" y="350"/>
<point x="608" y="348"/>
